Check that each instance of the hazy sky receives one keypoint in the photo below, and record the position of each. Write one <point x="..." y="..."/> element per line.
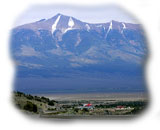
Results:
<point x="100" y="14"/>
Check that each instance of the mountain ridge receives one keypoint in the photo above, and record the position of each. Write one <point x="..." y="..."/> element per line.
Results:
<point x="65" y="53"/>
<point x="66" y="42"/>
<point x="51" y="20"/>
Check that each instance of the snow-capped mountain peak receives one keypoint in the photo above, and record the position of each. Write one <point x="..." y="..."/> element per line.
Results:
<point x="63" y="46"/>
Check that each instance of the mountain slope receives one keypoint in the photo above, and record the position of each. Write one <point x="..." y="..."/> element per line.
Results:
<point x="63" y="46"/>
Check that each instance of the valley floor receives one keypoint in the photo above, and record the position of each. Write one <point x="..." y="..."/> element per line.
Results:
<point x="81" y="105"/>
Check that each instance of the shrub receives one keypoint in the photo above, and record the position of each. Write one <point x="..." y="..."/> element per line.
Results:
<point x="30" y="97"/>
<point x="76" y="109"/>
<point x="51" y="102"/>
<point x="85" y="110"/>
<point x="19" y="93"/>
<point x="29" y="106"/>
<point x="44" y="99"/>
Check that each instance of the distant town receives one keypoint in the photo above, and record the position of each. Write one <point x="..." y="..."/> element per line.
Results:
<point x="45" y="107"/>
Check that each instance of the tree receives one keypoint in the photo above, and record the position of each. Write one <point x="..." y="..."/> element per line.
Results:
<point x="29" y="106"/>
<point x="51" y="102"/>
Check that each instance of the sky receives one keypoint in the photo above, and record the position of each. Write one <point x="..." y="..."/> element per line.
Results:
<point x="99" y="14"/>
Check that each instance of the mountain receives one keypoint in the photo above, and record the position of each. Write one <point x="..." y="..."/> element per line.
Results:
<point x="65" y="47"/>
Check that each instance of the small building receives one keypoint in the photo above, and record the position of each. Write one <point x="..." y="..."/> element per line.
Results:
<point x="87" y="106"/>
<point x="120" y="107"/>
<point x="123" y="108"/>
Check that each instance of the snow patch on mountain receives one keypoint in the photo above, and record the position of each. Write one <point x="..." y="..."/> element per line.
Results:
<point x="110" y="27"/>
<point x="104" y="28"/>
<point x="54" y="26"/>
<point x="70" y="24"/>
<point x="78" y="40"/>
<point x="124" y="26"/>
<point x="88" y="27"/>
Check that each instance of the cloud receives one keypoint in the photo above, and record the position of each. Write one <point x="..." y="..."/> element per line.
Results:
<point x="28" y="51"/>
